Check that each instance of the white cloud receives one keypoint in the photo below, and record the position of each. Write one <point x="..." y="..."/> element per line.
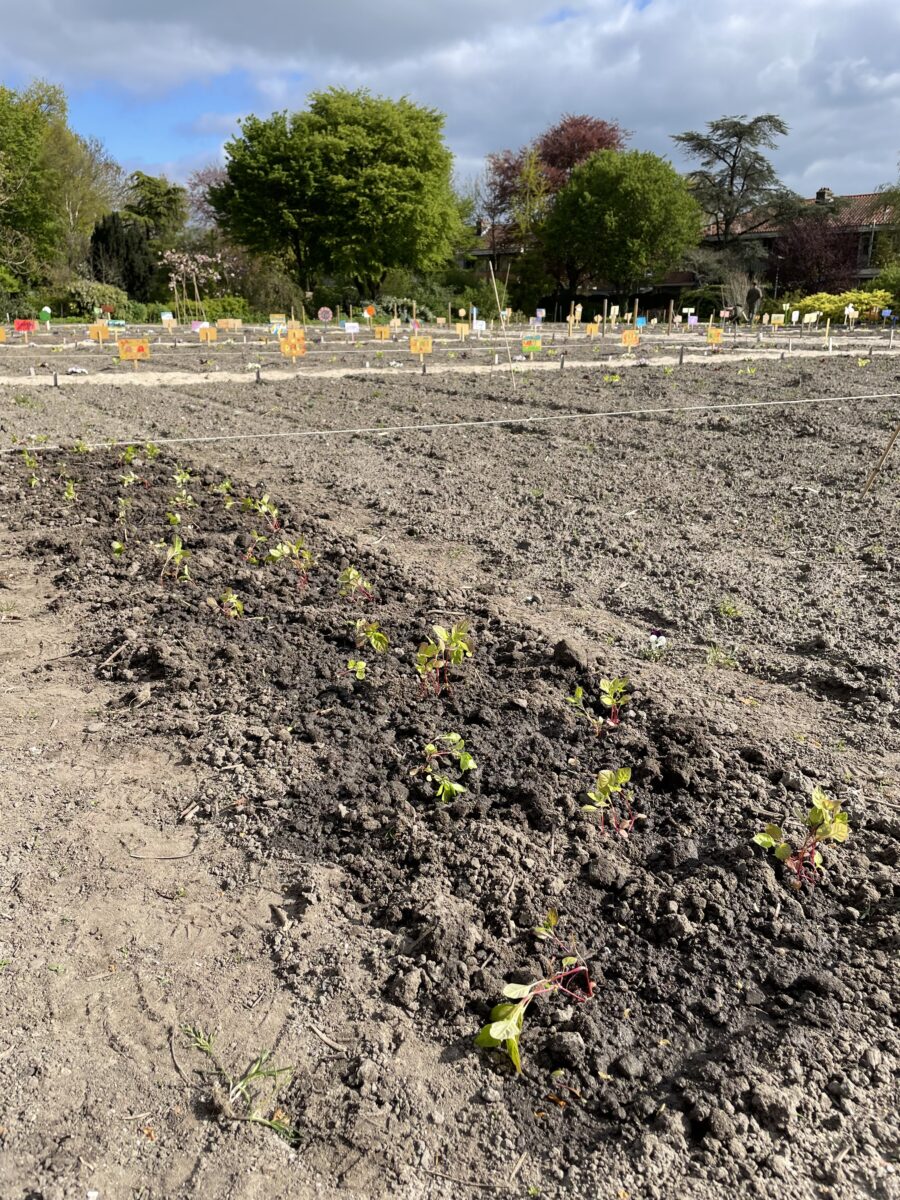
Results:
<point x="503" y="74"/>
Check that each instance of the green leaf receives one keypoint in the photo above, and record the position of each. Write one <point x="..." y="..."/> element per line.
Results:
<point x="783" y="852"/>
<point x="467" y="762"/>
<point x="774" y="831"/>
<point x="486" y="1039"/>
<point x="517" y="991"/>
<point x="569" y="961"/>
<point x="765" y="840"/>
<point x="512" y="1049"/>
<point x="506" y="1021"/>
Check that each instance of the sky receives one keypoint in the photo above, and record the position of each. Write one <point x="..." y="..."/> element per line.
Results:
<point x="165" y="86"/>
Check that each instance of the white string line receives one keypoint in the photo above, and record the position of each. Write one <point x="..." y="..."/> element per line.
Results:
<point x="385" y="430"/>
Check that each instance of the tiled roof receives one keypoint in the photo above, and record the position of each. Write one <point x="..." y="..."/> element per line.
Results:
<point x="853" y="212"/>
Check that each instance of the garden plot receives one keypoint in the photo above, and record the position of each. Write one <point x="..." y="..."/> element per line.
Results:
<point x="719" y="1027"/>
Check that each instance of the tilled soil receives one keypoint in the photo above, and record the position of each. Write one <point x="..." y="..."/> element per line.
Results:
<point x="739" y="1037"/>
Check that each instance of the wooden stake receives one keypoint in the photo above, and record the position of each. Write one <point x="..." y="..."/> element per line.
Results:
<point x="671" y="316"/>
<point x="605" y="312"/>
<point x="634" y="315"/>
<point x="876" y="470"/>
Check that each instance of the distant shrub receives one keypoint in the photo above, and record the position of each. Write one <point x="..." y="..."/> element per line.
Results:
<point x="830" y="306"/>
<point x="84" y="295"/>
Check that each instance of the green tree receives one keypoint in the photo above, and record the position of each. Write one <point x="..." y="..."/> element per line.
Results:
<point x="623" y="217"/>
<point x="353" y="186"/>
<point x="30" y="214"/>
<point x="735" y="184"/>
<point x="160" y="206"/>
<point x="120" y="255"/>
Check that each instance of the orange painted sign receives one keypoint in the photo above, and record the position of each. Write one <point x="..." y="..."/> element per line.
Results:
<point x="631" y="338"/>
<point x="98" y="332"/>
<point x="208" y="335"/>
<point x="131" y="349"/>
<point x="420" y="345"/>
<point x="293" y="345"/>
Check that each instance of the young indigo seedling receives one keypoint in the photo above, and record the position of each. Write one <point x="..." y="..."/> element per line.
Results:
<point x="571" y="979"/>
<point x="613" y="695"/>
<point x="603" y="799"/>
<point x="825" y="822"/>
<point x="370" y="631"/>
<point x="446" y="749"/>
<point x="264" y="508"/>
<point x="435" y="657"/>
<point x="300" y="558"/>
<point x="176" y="557"/>
<point x="228" y="603"/>
<point x="70" y="495"/>
<point x="351" y="584"/>
<point x="358" y="667"/>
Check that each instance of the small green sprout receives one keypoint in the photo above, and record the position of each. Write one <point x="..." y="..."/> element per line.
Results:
<point x="128" y="479"/>
<point x="70" y="495"/>
<point x="572" y="979"/>
<point x="357" y="666"/>
<point x="667" y="371"/>
<point x="370" y="632"/>
<point x="447" y="749"/>
<point x="449" y="648"/>
<point x="129" y="454"/>
<point x="612" y="378"/>
<point x="351" y="584"/>
<point x="176" y="557"/>
<point x="608" y="788"/>
<point x="263" y="507"/>
<point x="182" y="499"/>
<point x="297" y="554"/>
<point x="717" y="657"/>
<point x="81" y="446"/>
<point x="239" y="1097"/>
<point x="613" y="695"/>
<point x="33" y="480"/>
<point x="173" y="518"/>
<point x="825" y="822"/>
<point x="151" y="450"/>
<point x="225" y="489"/>
<point x="253" y="551"/>
<point x="118" y="548"/>
<point x="182" y="477"/>
<point x="228" y="603"/>
<point x="29" y="459"/>
<point x="730" y="610"/>
<point x="862" y="362"/>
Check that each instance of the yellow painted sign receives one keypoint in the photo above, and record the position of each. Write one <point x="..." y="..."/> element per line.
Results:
<point x="277" y="319"/>
<point x="295" y="325"/>
<point x="169" y="322"/>
<point x="592" y="329"/>
<point x="462" y="329"/>
<point x="777" y="318"/>
<point x="293" y="344"/>
<point x="382" y="333"/>
<point x="420" y="345"/>
<point x="631" y="337"/>
<point x="229" y="323"/>
<point x="98" y="332"/>
<point x="714" y="336"/>
<point x="208" y="335"/>
<point x="2" y="335"/>
<point x="131" y="349"/>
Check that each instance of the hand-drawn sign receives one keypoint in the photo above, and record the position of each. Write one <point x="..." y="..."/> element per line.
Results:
<point x="351" y="327"/>
<point x="631" y="337"/>
<point x="131" y="349"/>
<point x="277" y="319"/>
<point x="370" y="310"/>
<point x="592" y="329"/>
<point x="293" y="344"/>
<point x="382" y="333"/>
<point x="420" y="345"/>
<point x="24" y="326"/>
<point x="325" y="314"/>
<point x="98" y="332"/>
<point x="714" y="336"/>
<point x="208" y="334"/>
<point x="479" y="325"/>
<point x="531" y="345"/>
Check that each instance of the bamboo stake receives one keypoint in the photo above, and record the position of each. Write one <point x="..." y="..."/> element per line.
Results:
<point x="876" y="470"/>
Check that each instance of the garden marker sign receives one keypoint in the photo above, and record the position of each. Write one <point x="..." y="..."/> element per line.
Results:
<point x="293" y="344"/>
<point x="420" y="346"/>
<point x="382" y="333"/>
<point x="23" y="326"/>
<point x="531" y="345"/>
<point x="631" y="338"/>
<point x="132" y="349"/>
<point x="325" y="315"/>
<point x="208" y="335"/>
<point x="714" y="336"/>
<point x="462" y="330"/>
<point x="98" y="333"/>
<point x="2" y="335"/>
